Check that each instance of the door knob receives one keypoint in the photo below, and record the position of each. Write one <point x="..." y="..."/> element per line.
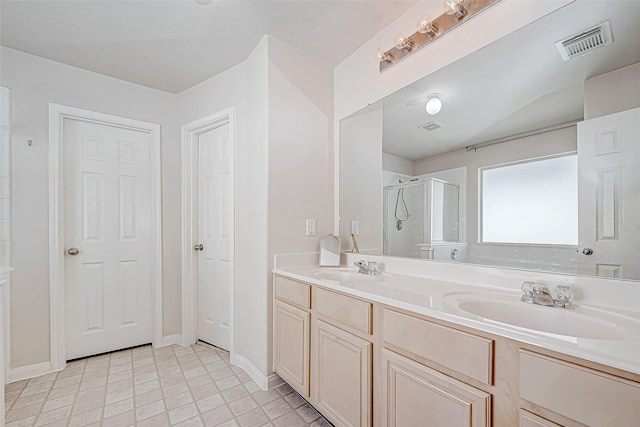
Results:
<point x="198" y="247"/>
<point x="73" y="251"/>
<point x="587" y="251"/>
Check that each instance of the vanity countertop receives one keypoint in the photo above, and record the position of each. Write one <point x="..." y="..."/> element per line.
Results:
<point x="432" y="296"/>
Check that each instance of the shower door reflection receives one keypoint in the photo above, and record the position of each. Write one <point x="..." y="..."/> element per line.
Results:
<point x="420" y="215"/>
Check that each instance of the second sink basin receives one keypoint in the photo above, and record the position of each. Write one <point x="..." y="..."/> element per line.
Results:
<point x="507" y="309"/>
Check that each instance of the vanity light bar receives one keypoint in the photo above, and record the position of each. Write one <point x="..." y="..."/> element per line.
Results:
<point x="438" y="27"/>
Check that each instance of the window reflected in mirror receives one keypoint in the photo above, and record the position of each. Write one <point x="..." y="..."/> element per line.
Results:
<point x="533" y="202"/>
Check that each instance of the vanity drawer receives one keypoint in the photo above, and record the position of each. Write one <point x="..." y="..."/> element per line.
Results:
<point x="296" y="293"/>
<point x="465" y="353"/>
<point x="578" y="393"/>
<point x="350" y="312"/>
<point x="527" y="419"/>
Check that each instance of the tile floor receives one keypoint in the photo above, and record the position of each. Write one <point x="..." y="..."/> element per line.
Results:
<point x="178" y="386"/>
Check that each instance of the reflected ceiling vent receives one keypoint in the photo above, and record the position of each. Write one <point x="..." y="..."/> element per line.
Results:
<point x="585" y="41"/>
<point x="431" y="126"/>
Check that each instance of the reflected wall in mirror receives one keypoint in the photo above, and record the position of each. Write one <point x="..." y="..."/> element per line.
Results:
<point x="539" y="156"/>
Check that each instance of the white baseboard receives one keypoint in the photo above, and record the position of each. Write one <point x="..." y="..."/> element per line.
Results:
<point x="183" y="341"/>
<point x="30" y="371"/>
<point x="264" y="382"/>
<point x="170" y="340"/>
<point x="274" y="381"/>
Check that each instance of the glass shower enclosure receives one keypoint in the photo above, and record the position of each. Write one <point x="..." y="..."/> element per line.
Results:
<point x="419" y="213"/>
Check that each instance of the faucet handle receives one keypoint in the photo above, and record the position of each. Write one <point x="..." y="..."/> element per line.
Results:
<point x="372" y="267"/>
<point x="540" y="289"/>
<point x="527" y="288"/>
<point x="564" y="293"/>
<point x="527" y="291"/>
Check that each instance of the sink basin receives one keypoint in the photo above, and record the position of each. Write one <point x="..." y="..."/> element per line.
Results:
<point x="344" y="274"/>
<point x="507" y="309"/>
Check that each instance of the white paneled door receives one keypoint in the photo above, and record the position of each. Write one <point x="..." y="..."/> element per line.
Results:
<point x="609" y="195"/>
<point x="214" y="231"/>
<point x="107" y="223"/>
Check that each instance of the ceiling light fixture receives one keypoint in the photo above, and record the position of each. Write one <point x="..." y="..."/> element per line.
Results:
<point x="434" y="104"/>
<point x="428" y="30"/>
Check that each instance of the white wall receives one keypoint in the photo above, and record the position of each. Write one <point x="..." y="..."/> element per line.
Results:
<point x="612" y="92"/>
<point x="300" y="149"/>
<point x="361" y="168"/>
<point x="398" y="164"/>
<point x="36" y="82"/>
<point x="252" y="198"/>
<point x="300" y="153"/>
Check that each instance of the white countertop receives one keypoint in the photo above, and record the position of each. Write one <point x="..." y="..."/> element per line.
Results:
<point x="430" y="296"/>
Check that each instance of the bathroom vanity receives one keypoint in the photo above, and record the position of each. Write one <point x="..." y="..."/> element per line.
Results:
<point x="400" y="350"/>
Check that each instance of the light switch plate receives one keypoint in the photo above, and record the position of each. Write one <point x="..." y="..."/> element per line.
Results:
<point x="355" y="227"/>
<point x="311" y="227"/>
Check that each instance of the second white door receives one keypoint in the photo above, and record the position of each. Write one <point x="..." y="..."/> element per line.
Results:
<point x="214" y="272"/>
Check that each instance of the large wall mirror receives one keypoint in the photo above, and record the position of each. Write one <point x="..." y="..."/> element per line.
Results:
<point x="533" y="161"/>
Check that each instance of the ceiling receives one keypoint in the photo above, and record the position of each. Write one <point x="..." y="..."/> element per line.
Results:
<point x="172" y="45"/>
<point x="517" y="84"/>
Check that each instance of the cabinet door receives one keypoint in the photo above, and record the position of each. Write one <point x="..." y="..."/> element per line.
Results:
<point x="415" y="395"/>
<point x="527" y="419"/>
<point x="581" y="394"/>
<point x="342" y="376"/>
<point x="291" y="346"/>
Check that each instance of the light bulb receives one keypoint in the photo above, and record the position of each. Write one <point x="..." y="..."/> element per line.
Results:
<point x="426" y="26"/>
<point x="434" y="104"/>
<point x="385" y="56"/>
<point x="402" y="42"/>
<point x="455" y="8"/>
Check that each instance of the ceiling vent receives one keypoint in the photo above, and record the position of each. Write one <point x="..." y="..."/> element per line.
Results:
<point x="585" y="41"/>
<point x="431" y="126"/>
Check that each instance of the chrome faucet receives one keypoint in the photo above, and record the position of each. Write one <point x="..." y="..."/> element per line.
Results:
<point x="533" y="293"/>
<point x="542" y="296"/>
<point x="365" y="267"/>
